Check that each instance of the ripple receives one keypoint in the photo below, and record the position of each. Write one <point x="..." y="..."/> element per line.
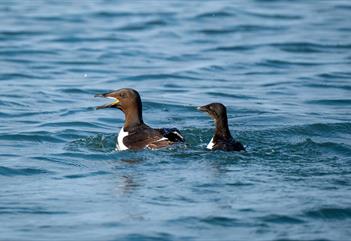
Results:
<point x="6" y="171"/>
<point x="100" y="142"/>
<point x="336" y="102"/>
<point x="281" y="219"/>
<point x="220" y="13"/>
<point x="72" y="124"/>
<point x="220" y="221"/>
<point x="303" y="47"/>
<point x="318" y="128"/>
<point x="276" y="16"/>
<point x="335" y="75"/>
<point x="329" y="86"/>
<point x="91" y="174"/>
<point x="275" y="63"/>
<point x="76" y="90"/>
<point x="159" y="236"/>
<point x="160" y="76"/>
<point x="239" y="184"/>
<point x="236" y="48"/>
<point x="30" y="210"/>
<point x="20" y="33"/>
<point x="12" y="76"/>
<point x="32" y="137"/>
<point x="28" y="52"/>
<point x="237" y="96"/>
<point x="240" y="29"/>
<point x="329" y="213"/>
<point x="142" y="25"/>
<point x="111" y="14"/>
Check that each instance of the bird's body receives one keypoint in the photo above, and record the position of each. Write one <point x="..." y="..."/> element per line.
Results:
<point x="225" y="145"/>
<point x="135" y="134"/>
<point x="143" y="136"/>
<point x="222" y="139"/>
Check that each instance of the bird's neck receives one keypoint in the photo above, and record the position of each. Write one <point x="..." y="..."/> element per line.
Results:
<point x="222" y="129"/>
<point x="133" y="119"/>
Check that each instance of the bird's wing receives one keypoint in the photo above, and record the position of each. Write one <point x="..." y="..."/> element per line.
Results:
<point x="152" y="138"/>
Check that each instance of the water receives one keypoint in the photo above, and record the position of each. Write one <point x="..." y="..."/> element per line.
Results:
<point x="281" y="67"/>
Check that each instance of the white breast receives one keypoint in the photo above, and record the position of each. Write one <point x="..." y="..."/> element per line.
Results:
<point x="120" y="145"/>
<point x="210" y="145"/>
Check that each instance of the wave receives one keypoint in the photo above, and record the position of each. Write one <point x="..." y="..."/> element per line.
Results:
<point x="89" y="174"/>
<point x="143" y="25"/>
<point x="336" y="102"/>
<point x="335" y="75"/>
<point x="212" y="14"/>
<point x="281" y="219"/>
<point x="160" y="76"/>
<point x="298" y="139"/>
<point x="221" y="221"/>
<point x="308" y="47"/>
<point x="100" y="142"/>
<point x="277" y="63"/>
<point x="240" y="29"/>
<point x="325" y="213"/>
<point x="289" y="47"/>
<point x="40" y="136"/>
<point x="7" y="171"/>
<point x="29" y="210"/>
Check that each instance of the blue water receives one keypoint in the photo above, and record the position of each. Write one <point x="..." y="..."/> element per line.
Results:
<point x="283" y="69"/>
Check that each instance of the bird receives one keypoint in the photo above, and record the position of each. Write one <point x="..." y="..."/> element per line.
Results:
<point x="135" y="134"/>
<point x="222" y="139"/>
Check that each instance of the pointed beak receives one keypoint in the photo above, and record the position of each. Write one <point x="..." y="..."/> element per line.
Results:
<point x="115" y="102"/>
<point x="203" y="108"/>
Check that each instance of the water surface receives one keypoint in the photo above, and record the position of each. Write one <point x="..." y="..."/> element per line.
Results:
<point x="282" y="68"/>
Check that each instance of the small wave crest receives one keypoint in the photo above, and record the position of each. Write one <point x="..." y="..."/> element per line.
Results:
<point x="99" y="142"/>
<point x="329" y="213"/>
<point x="7" y="171"/>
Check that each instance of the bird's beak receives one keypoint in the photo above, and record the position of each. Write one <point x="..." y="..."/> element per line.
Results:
<point x="115" y="103"/>
<point x="203" y="108"/>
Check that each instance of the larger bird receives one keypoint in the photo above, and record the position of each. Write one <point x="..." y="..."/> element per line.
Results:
<point x="135" y="134"/>
<point x="222" y="139"/>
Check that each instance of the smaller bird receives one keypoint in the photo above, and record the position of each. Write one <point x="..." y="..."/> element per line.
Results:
<point x="222" y="139"/>
<point x="135" y="134"/>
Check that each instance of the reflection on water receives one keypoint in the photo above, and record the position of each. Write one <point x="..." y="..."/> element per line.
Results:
<point x="126" y="177"/>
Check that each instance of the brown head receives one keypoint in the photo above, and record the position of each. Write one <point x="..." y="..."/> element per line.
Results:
<point x="215" y="110"/>
<point x="127" y="100"/>
<point x="218" y="112"/>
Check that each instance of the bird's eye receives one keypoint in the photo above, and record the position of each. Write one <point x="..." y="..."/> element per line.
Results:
<point x="123" y="95"/>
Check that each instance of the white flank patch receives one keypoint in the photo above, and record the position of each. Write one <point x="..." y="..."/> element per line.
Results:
<point x="162" y="139"/>
<point x="175" y="132"/>
<point x="210" y="145"/>
<point x="120" y="145"/>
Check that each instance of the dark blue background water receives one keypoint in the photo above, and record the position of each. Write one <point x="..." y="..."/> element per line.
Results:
<point x="283" y="68"/>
